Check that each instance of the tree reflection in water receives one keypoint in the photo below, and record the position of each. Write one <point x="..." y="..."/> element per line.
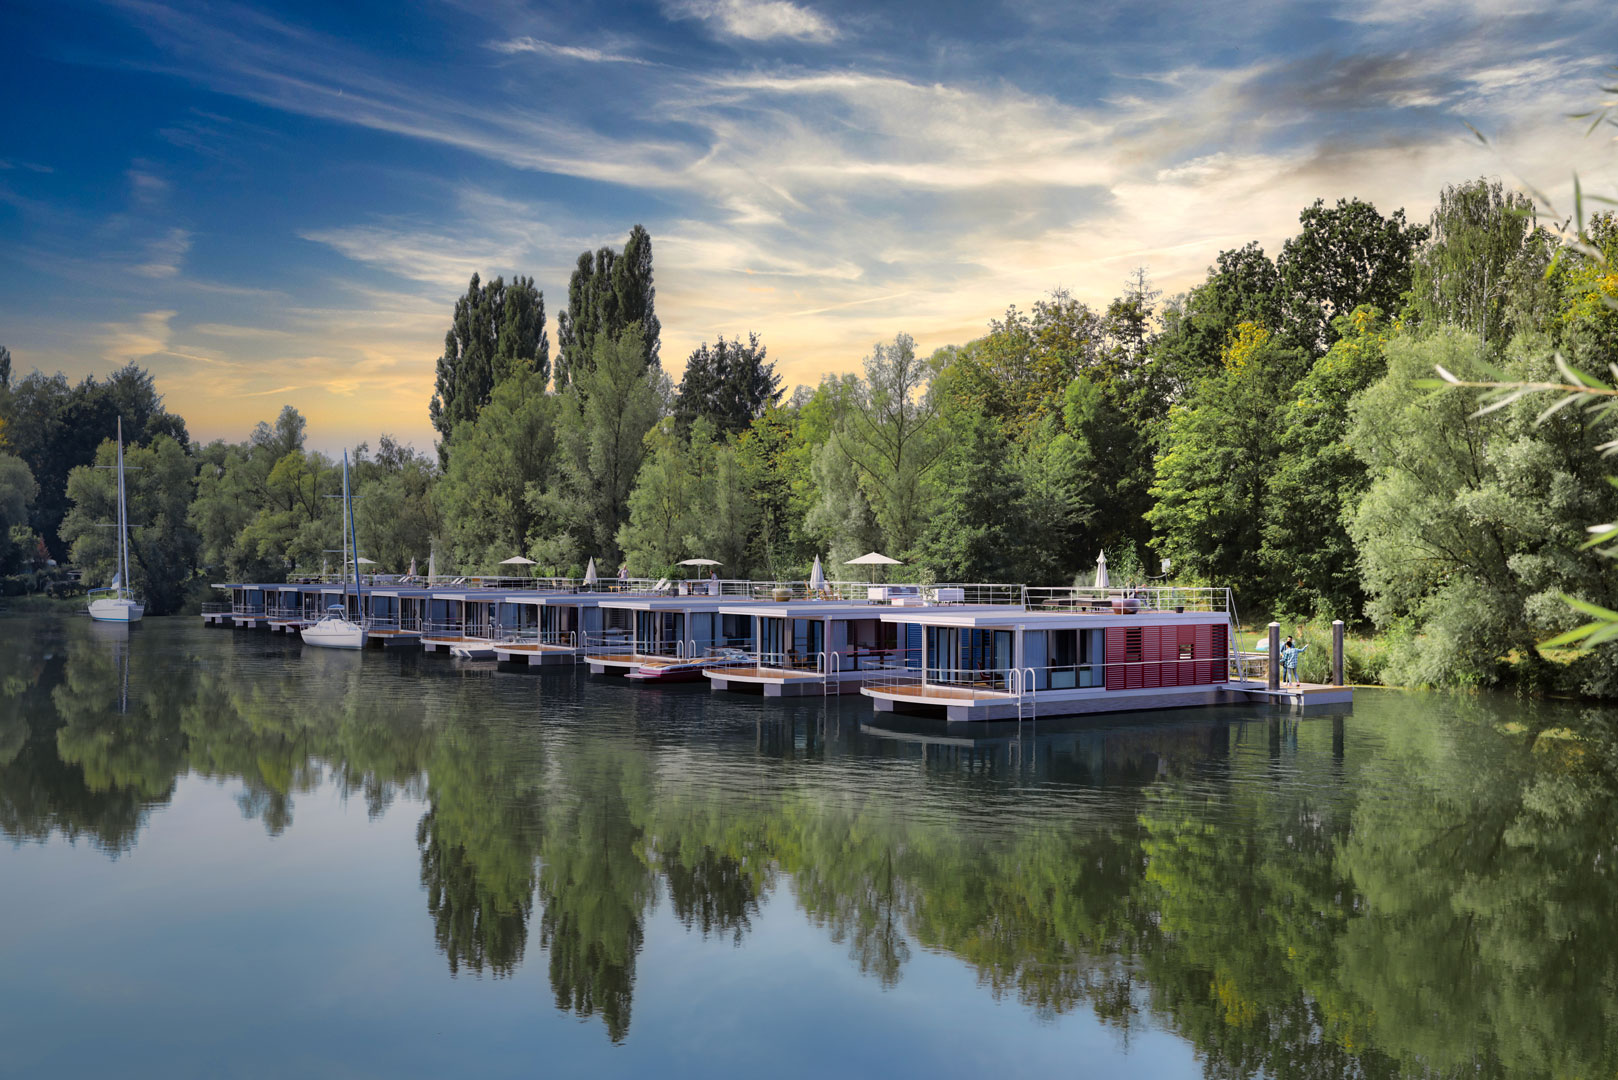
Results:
<point x="1425" y="888"/>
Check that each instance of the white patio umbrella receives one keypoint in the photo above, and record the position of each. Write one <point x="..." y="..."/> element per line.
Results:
<point x="412" y="566"/>
<point x="873" y="559"/>
<point x="518" y="560"/>
<point x="699" y="562"/>
<point x="1101" y="572"/>
<point x="817" y="576"/>
<point x="432" y="566"/>
<point x="590" y="572"/>
<point x="365" y="562"/>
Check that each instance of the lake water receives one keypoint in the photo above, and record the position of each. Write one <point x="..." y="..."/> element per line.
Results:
<point x="225" y="855"/>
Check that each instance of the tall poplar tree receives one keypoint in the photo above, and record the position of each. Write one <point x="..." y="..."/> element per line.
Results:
<point x="608" y="292"/>
<point x="497" y="329"/>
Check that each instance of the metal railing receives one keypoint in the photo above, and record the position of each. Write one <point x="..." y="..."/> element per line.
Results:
<point x="1127" y="601"/>
<point x="555" y="639"/>
<point x="216" y="609"/>
<point x="623" y="644"/>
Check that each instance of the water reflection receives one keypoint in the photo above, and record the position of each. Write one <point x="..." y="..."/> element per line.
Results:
<point x="1425" y="887"/>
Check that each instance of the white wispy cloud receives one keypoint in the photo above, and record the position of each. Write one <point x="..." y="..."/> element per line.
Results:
<point x="757" y="20"/>
<point x="147" y="336"/>
<point x="589" y="55"/>
<point x="165" y="254"/>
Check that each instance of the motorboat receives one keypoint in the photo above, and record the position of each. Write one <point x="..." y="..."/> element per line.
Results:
<point x="117" y="602"/>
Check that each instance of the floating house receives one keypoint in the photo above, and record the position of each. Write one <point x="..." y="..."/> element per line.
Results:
<point x="996" y="665"/>
<point x="820" y="647"/>
<point x="466" y="618"/>
<point x="666" y="632"/>
<point x="547" y="629"/>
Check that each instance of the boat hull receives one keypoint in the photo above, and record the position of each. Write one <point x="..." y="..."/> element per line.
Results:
<point x="327" y="635"/>
<point x="121" y="611"/>
<point x="666" y="673"/>
<point x="472" y="651"/>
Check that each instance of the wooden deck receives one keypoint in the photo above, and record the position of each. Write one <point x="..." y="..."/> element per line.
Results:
<point x="929" y="692"/>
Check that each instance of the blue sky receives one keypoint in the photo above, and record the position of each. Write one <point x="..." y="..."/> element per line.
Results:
<point x="279" y="204"/>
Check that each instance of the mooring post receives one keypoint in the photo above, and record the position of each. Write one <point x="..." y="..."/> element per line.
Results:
<point x="1337" y="652"/>
<point x="1275" y="656"/>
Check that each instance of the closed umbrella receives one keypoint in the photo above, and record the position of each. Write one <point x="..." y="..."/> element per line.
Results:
<point x="590" y="572"/>
<point x="412" y="566"/>
<point x="817" y="577"/>
<point x="1101" y="572"/>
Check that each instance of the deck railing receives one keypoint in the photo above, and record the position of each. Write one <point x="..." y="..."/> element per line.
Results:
<point x="1129" y="600"/>
<point x="624" y="644"/>
<point x="559" y="639"/>
<point x="216" y="609"/>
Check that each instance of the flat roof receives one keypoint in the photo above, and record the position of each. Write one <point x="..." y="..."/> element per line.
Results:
<point x="847" y="609"/>
<point x="557" y="598"/>
<point x="1045" y="620"/>
<point x="683" y="603"/>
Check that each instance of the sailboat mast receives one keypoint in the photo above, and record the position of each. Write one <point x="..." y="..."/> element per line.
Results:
<point x="345" y="537"/>
<point x="353" y="539"/>
<point x="123" y="515"/>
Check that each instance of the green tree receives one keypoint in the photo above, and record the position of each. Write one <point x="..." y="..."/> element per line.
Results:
<point x="890" y="435"/>
<point x="730" y="383"/>
<point x="394" y="512"/>
<point x="496" y="331"/>
<point x="496" y="459"/>
<point x="664" y="505"/>
<point x="1482" y="249"/>
<point x="607" y="293"/>
<point x="1221" y="446"/>
<point x="604" y="416"/>
<point x="974" y="531"/>
<point x="17" y="491"/>
<point x="1472" y="526"/>
<point x="1344" y="256"/>
<point x="162" y="545"/>
<point x="1312" y="492"/>
<point x="55" y="427"/>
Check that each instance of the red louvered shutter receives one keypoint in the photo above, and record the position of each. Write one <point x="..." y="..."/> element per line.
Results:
<point x="1115" y="658"/>
<point x="1220" y="653"/>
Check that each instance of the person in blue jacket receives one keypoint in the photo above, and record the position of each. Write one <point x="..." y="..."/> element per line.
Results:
<point x="1289" y="660"/>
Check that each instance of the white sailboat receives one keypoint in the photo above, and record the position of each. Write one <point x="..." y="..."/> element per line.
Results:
<point x="336" y="630"/>
<point x="117" y="602"/>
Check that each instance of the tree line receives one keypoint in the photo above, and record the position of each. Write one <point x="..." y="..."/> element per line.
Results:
<point x="1264" y="430"/>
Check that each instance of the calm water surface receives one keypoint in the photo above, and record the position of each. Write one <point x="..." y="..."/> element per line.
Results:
<point x="224" y="855"/>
